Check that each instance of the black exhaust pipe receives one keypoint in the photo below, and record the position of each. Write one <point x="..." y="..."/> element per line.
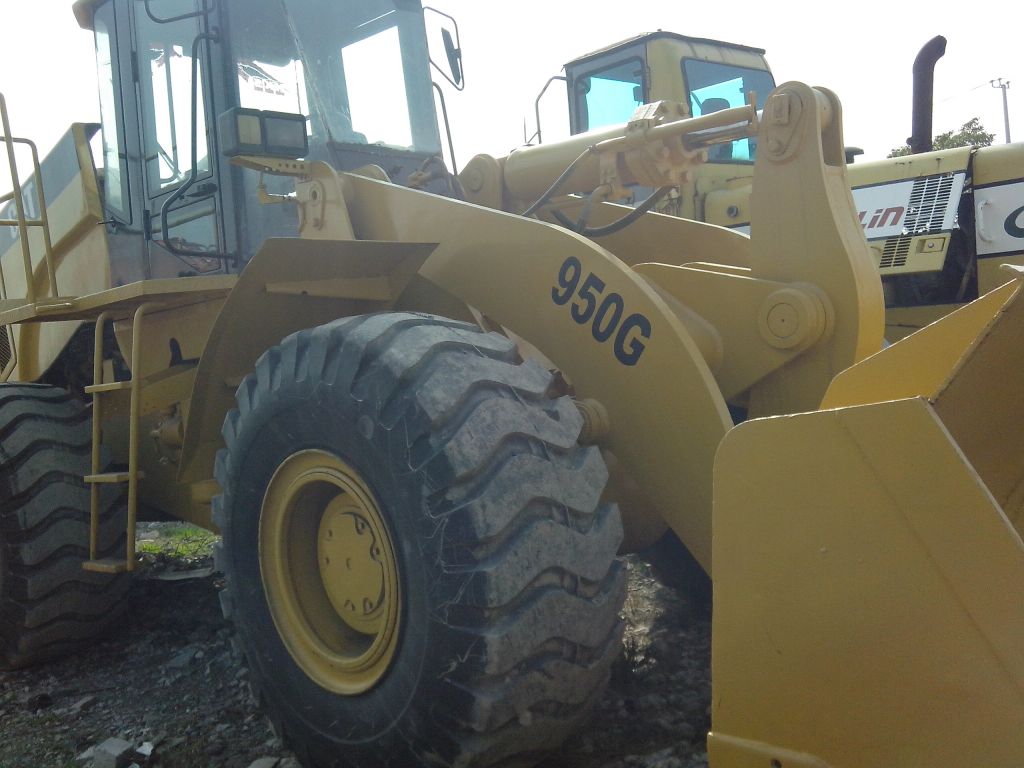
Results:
<point x="924" y="84"/>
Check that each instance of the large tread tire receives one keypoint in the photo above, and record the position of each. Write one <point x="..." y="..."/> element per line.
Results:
<point x="511" y="589"/>
<point x="49" y="606"/>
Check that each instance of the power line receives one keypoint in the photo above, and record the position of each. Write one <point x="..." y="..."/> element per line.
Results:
<point x="958" y="94"/>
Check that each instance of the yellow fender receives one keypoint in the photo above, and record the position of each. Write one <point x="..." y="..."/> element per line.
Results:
<point x="289" y="285"/>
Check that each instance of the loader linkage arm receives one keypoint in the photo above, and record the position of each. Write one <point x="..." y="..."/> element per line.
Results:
<point x="683" y="315"/>
<point x="656" y="148"/>
<point x="808" y="283"/>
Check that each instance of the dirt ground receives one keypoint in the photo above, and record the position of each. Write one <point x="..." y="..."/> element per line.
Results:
<point x="168" y="681"/>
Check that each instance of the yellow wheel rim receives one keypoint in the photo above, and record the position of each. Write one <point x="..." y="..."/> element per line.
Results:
<point x="330" y="573"/>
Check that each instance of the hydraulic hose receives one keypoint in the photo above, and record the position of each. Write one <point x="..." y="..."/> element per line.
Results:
<point x="617" y="225"/>
<point x="559" y="182"/>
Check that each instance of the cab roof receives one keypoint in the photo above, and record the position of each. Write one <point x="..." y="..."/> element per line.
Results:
<point x="661" y="35"/>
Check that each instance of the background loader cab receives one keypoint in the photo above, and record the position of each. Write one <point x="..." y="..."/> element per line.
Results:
<point x="940" y="224"/>
<point x="355" y="70"/>
<point x="605" y="88"/>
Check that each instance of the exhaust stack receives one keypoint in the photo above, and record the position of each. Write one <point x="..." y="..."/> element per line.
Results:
<point x="924" y="83"/>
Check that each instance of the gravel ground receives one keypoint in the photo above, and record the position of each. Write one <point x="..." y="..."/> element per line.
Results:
<point x="168" y="682"/>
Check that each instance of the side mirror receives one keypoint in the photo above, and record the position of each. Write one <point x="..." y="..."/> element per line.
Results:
<point x="454" y="73"/>
<point x="454" y="54"/>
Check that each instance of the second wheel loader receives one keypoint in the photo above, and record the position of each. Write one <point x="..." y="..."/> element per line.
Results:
<point x="939" y="223"/>
<point x="399" y="410"/>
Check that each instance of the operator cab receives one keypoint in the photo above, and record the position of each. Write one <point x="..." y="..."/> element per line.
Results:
<point x="357" y="71"/>
<point x="606" y="86"/>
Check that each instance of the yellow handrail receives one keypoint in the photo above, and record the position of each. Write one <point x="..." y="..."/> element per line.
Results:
<point x="22" y="222"/>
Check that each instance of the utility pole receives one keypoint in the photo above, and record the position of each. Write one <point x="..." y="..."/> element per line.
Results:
<point x="1006" y="112"/>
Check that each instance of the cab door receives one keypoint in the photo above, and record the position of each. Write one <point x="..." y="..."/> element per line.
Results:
<point x="171" y="48"/>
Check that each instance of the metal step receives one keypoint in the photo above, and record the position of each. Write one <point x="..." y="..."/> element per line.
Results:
<point x="112" y="477"/>
<point x="112" y="386"/>
<point x="108" y="565"/>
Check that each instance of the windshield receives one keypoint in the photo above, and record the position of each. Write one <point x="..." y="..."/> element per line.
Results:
<point x="356" y="68"/>
<point x="714" y="86"/>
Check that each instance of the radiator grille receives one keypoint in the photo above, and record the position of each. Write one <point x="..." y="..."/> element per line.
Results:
<point x="895" y="252"/>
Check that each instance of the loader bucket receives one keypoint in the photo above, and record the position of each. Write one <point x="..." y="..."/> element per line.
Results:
<point x="868" y="577"/>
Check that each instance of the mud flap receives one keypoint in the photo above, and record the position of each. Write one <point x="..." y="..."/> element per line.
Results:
<point x="869" y="583"/>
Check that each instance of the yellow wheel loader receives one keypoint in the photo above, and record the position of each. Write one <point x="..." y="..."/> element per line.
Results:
<point x="939" y="223"/>
<point x="425" y="427"/>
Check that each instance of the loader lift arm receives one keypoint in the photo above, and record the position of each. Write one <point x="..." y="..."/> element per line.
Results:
<point x="671" y="334"/>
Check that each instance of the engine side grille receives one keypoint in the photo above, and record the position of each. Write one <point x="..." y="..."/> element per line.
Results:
<point x="928" y="202"/>
<point x="895" y="252"/>
<point x="926" y="210"/>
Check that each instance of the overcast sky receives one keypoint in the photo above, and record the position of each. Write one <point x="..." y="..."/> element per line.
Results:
<point x="863" y="51"/>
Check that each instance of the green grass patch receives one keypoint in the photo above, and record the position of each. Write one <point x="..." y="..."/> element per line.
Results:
<point x="179" y="542"/>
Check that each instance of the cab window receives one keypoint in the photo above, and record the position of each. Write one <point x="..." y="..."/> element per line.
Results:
<point x="165" y="78"/>
<point x="714" y="86"/>
<point x="609" y="95"/>
<point x="114" y="168"/>
<point x="377" y="120"/>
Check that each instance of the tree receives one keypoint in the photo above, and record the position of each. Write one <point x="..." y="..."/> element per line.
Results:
<point x="971" y="134"/>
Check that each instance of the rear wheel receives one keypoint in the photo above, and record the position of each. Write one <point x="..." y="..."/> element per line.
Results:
<point x="417" y="562"/>
<point x="49" y="606"/>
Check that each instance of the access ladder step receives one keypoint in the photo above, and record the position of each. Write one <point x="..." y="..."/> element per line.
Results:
<point x="111" y="386"/>
<point x="112" y="477"/>
<point x="109" y="565"/>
